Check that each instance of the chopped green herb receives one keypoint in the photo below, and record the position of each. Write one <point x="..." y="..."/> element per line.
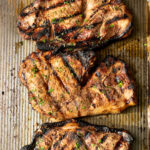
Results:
<point x="34" y="90"/>
<point x="50" y="90"/>
<point x="42" y="148"/>
<point x="93" y="145"/>
<point x="83" y="107"/>
<point x="41" y="101"/>
<point x="44" y="40"/>
<point x="77" y="22"/>
<point x="35" y="69"/>
<point x="100" y="141"/>
<point x="79" y="134"/>
<point x="50" y="113"/>
<point x="71" y="110"/>
<point x="81" y="15"/>
<point x="60" y="69"/>
<point x="120" y="84"/>
<point x="85" y="20"/>
<point x="45" y="76"/>
<point x="71" y="63"/>
<point x="98" y="35"/>
<point x="111" y="25"/>
<point x="94" y="87"/>
<point x="77" y="146"/>
<point x="66" y="3"/>
<point x="53" y="20"/>
<point x="32" y="98"/>
<point x="116" y="7"/>
<point x="70" y="49"/>
<point x="145" y="44"/>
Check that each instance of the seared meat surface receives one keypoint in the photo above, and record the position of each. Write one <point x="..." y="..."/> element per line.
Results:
<point x="79" y="135"/>
<point x="74" y="23"/>
<point x="70" y="86"/>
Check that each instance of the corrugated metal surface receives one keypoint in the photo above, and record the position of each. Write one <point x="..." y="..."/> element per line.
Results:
<point x="18" y="120"/>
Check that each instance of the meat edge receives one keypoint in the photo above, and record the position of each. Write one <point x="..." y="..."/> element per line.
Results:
<point x="47" y="126"/>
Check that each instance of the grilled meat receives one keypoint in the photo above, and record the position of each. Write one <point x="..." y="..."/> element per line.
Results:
<point x="79" y="135"/>
<point x="74" y="23"/>
<point x="70" y="86"/>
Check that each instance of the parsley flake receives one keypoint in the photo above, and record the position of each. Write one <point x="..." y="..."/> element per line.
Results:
<point x="41" y="101"/>
<point x="44" y="40"/>
<point x="94" y="87"/>
<point x="120" y="84"/>
<point x="111" y="25"/>
<point x="42" y="148"/>
<point x="100" y="141"/>
<point x="50" y="90"/>
<point x="83" y="107"/>
<point x="77" y="146"/>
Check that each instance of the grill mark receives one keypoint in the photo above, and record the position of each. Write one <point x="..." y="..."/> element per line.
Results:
<point x="116" y="18"/>
<point x="104" y="138"/>
<point x="76" y="77"/>
<point x="98" y="9"/>
<point x="59" y="79"/>
<point x="36" y="101"/>
<point x="46" y="85"/>
<point x="44" y="32"/>
<point x="56" y="144"/>
<point x="66" y="31"/>
<point x="25" y="31"/>
<point x="23" y="14"/>
<point x="65" y="18"/>
<point x="87" y="135"/>
<point x="60" y="4"/>
<point x="118" y="145"/>
<point x="88" y="27"/>
<point x="32" y="60"/>
<point x="70" y="68"/>
<point x="74" y="28"/>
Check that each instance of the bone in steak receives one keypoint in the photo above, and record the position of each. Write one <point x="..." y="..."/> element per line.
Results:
<point x="74" y="23"/>
<point x="69" y="86"/>
<point x="79" y="135"/>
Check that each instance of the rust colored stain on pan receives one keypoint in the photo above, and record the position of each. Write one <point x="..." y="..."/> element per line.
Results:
<point x="18" y="120"/>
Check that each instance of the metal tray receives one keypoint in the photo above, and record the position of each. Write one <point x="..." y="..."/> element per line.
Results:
<point x="18" y="120"/>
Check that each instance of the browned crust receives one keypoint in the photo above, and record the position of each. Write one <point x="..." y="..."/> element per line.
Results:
<point x="79" y="94"/>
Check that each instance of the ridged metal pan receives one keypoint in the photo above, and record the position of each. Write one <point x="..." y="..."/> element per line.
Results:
<point x="17" y="119"/>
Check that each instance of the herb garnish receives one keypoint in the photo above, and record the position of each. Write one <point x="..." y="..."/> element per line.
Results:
<point x="94" y="87"/>
<point x="32" y="98"/>
<point x="70" y="49"/>
<point x="83" y="107"/>
<point x="85" y="20"/>
<point x="42" y="148"/>
<point x="111" y="25"/>
<point x="35" y="70"/>
<point x="44" y="40"/>
<point x="100" y="141"/>
<point x="50" y="90"/>
<point x="120" y="84"/>
<point x="54" y="20"/>
<point x="79" y="134"/>
<point x="77" y="146"/>
<point x="50" y="113"/>
<point x="41" y="101"/>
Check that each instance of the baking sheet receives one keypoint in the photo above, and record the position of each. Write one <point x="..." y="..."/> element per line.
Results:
<point x="18" y="120"/>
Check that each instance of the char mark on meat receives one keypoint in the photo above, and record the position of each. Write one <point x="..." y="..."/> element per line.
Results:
<point x="76" y="23"/>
